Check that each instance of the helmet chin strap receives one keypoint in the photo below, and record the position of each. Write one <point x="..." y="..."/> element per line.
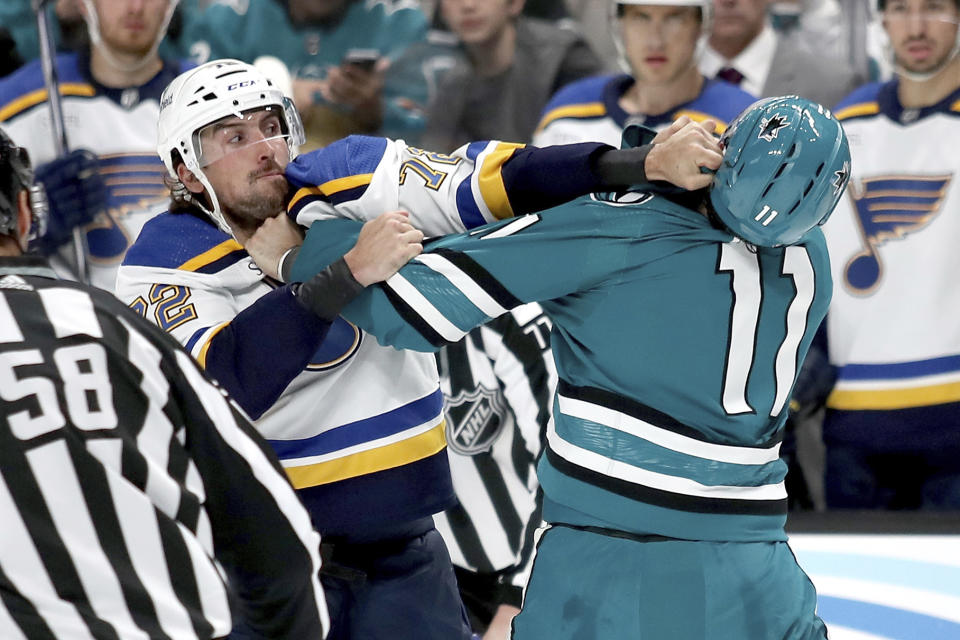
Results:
<point x="214" y="212"/>
<point x="93" y="28"/>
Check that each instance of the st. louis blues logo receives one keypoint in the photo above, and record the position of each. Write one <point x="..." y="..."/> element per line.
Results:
<point x="134" y="183"/>
<point x="889" y="208"/>
<point x="474" y="420"/>
<point x="769" y="127"/>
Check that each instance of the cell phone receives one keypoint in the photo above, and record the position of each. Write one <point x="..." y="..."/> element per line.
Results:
<point x="363" y="58"/>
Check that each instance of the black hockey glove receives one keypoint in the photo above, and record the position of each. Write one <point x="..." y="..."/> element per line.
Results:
<point x="76" y="192"/>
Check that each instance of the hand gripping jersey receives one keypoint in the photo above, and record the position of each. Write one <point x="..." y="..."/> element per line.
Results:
<point x="360" y="429"/>
<point x="676" y="348"/>
<point x="118" y="125"/>
<point x="589" y="110"/>
<point x="891" y="330"/>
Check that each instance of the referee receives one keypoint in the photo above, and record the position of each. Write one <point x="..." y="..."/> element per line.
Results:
<point x="136" y="502"/>
<point x="498" y="385"/>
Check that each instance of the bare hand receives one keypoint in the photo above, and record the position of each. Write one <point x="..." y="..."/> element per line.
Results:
<point x="386" y="243"/>
<point x="499" y="628"/>
<point x="303" y="90"/>
<point x="358" y="88"/>
<point x="681" y="150"/>
<point x="268" y="243"/>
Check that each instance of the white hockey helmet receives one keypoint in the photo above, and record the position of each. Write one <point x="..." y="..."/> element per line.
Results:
<point x="206" y="94"/>
<point x="706" y="22"/>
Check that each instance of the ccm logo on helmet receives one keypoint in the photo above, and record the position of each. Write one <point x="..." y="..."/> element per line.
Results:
<point x="239" y="85"/>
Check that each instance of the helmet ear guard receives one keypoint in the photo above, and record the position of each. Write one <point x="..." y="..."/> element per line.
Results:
<point x="208" y="93"/>
<point x="786" y="164"/>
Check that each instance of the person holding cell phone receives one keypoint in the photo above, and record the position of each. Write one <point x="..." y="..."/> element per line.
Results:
<point x="338" y="54"/>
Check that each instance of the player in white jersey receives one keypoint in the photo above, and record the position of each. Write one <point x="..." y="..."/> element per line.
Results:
<point x="358" y="426"/>
<point x="891" y="425"/>
<point x="110" y="94"/>
<point x="659" y="43"/>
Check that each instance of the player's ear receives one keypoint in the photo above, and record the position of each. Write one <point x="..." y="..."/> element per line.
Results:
<point x="189" y="179"/>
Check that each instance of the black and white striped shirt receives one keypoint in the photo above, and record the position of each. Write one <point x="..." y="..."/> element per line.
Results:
<point x="498" y="384"/>
<point x="135" y="500"/>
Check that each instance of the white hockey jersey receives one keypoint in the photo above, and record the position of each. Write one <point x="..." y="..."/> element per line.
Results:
<point x="118" y="125"/>
<point x="589" y="109"/>
<point x="892" y="329"/>
<point x="360" y="430"/>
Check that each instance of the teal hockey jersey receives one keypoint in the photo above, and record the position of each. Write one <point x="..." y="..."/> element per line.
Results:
<point x="676" y="345"/>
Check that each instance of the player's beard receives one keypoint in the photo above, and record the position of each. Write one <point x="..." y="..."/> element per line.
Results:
<point x="265" y="199"/>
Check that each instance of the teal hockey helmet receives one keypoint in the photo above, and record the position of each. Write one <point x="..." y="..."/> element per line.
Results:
<point x="786" y="163"/>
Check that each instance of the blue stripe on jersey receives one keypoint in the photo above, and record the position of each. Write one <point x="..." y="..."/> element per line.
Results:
<point x="351" y="156"/>
<point x="585" y="90"/>
<point x="466" y="205"/>
<point x="188" y="347"/>
<point x="384" y="425"/>
<point x="29" y="78"/>
<point x="194" y="235"/>
<point x="861" y="95"/>
<point x="898" y="370"/>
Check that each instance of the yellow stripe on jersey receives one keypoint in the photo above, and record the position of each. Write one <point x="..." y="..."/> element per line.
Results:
<point x="699" y="116"/>
<point x="40" y="95"/>
<point x="211" y="255"/>
<point x="492" y="189"/>
<point x="854" y="110"/>
<point x="331" y="187"/>
<point x="955" y="106"/>
<point x="202" y="356"/>
<point x="398" y="454"/>
<point x="585" y="110"/>
<point x="859" y="399"/>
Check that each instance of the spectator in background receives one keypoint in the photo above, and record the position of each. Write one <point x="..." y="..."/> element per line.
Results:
<point x="497" y="384"/>
<point x="338" y="53"/>
<point x="110" y="94"/>
<point x="744" y="48"/>
<point x="659" y="41"/>
<point x="891" y="427"/>
<point x="512" y="64"/>
<point x="69" y="31"/>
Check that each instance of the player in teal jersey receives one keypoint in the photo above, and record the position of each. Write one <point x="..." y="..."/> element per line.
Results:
<point x="680" y="322"/>
<point x="337" y="52"/>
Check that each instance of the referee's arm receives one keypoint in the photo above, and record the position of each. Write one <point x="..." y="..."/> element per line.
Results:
<point x="262" y="535"/>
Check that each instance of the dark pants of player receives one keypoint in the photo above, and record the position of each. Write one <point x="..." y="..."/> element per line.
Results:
<point x="596" y="586"/>
<point x="400" y="588"/>
<point x="857" y="478"/>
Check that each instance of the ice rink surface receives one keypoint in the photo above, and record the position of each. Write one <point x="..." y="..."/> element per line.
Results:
<point x="884" y="586"/>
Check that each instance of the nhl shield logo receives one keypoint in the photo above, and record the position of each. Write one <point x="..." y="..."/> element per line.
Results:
<point x="474" y="421"/>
